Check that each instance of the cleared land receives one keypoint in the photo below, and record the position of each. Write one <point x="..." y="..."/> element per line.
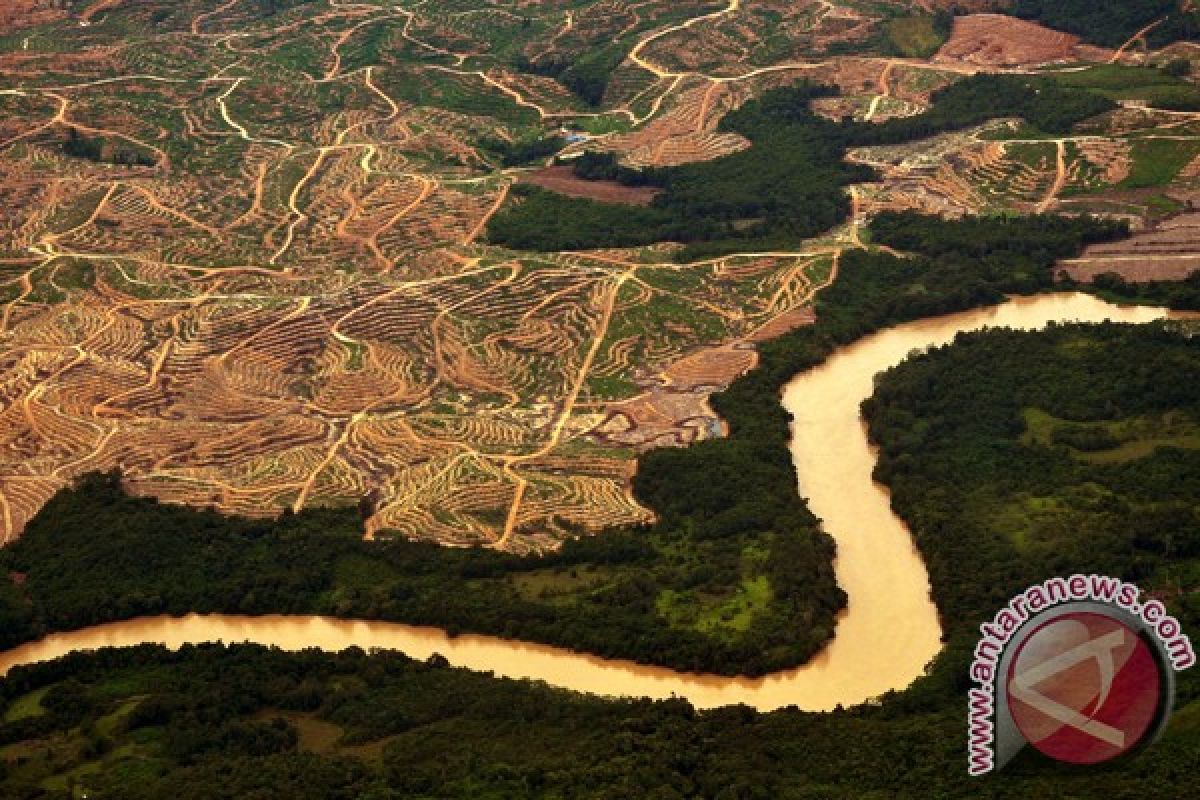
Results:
<point x="1168" y="252"/>
<point x="995" y="40"/>
<point x="562" y="179"/>
<point x="241" y="258"/>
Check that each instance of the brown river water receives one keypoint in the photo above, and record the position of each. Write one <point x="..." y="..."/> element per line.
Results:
<point x="884" y="639"/>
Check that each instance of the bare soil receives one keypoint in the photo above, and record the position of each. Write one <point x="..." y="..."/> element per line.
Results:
<point x="562" y="179"/>
<point x="1170" y="251"/>
<point x="995" y="40"/>
<point x="18" y="14"/>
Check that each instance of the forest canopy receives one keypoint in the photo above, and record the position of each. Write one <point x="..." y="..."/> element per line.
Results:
<point x="787" y="187"/>
<point x="1111" y="23"/>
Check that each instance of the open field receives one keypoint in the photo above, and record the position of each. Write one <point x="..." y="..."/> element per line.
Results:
<point x="1168" y="252"/>
<point x="19" y="14"/>
<point x="562" y="179"/>
<point x="995" y="40"/>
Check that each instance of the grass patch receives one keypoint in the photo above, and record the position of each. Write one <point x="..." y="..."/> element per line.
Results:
<point x="28" y="705"/>
<point x="1112" y="441"/>
<point x="611" y="387"/>
<point x="315" y="735"/>
<point x="108" y="724"/>
<point x="1156" y="162"/>
<point x="564" y="584"/>
<point x="1119" y="82"/>
<point x="1186" y="718"/>
<point x="736" y="614"/>
<point x="917" y="37"/>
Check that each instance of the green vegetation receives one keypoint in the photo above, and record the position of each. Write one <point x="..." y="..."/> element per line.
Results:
<point x="268" y="8"/>
<point x="996" y="501"/>
<point x="463" y="94"/>
<point x="1107" y="441"/>
<point x="1179" y="295"/>
<point x="548" y="221"/>
<point x="1156" y="162"/>
<point x="355" y="726"/>
<point x="1050" y="108"/>
<point x="586" y="75"/>
<point x="919" y="36"/>
<point x="1177" y="67"/>
<point x="1070" y="450"/>
<point x="1018" y="466"/>
<point x="596" y="166"/>
<point x="1111" y="23"/>
<point x="96" y="554"/>
<point x="1159" y="88"/>
<point x="145" y="723"/>
<point x="523" y="151"/>
<point x="787" y="187"/>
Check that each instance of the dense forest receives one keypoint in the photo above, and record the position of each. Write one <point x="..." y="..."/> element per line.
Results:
<point x="674" y="594"/>
<point x="1111" y="23"/>
<point x="1041" y="102"/>
<point x="788" y="186"/>
<point x="96" y="554"/>
<point x="1179" y="295"/>
<point x="592" y="165"/>
<point x="145" y="724"/>
<point x="519" y="152"/>
<point x="586" y="75"/>
<point x="1015" y="456"/>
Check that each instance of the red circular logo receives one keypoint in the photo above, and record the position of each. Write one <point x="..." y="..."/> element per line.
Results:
<point x="1084" y="688"/>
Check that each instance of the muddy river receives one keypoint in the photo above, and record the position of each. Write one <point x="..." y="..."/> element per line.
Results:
<point x="886" y="636"/>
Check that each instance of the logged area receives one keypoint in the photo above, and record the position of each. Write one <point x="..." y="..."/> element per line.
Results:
<point x="477" y="315"/>
<point x="563" y="180"/>
<point x="717" y="584"/>
<point x="267" y="256"/>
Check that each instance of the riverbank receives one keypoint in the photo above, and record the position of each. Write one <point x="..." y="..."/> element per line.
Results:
<point x="734" y="546"/>
<point x="883" y="642"/>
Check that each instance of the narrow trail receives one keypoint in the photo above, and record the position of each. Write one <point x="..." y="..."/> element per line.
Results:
<point x="200" y="18"/>
<point x="1060" y="178"/>
<point x="237" y="127"/>
<point x="885" y="91"/>
<point x="298" y="216"/>
<point x="473" y="234"/>
<point x="568" y="405"/>
<point x="635" y="55"/>
<point x="1134" y="39"/>
<point x="330" y="454"/>
<point x="856" y="220"/>
<point x="85" y="18"/>
<point x="705" y="107"/>
<point x="428" y="187"/>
